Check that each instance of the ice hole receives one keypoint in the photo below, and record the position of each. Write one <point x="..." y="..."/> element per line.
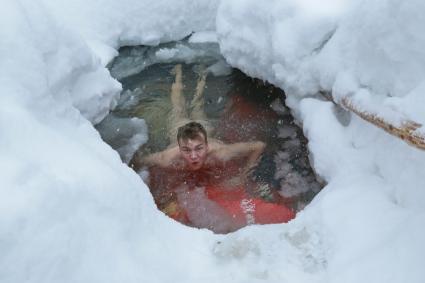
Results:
<point x="240" y="108"/>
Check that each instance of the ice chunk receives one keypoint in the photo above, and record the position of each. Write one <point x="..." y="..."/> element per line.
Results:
<point x="125" y="135"/>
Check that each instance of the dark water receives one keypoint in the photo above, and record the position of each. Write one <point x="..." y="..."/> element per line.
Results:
<point x="240" y="108"/>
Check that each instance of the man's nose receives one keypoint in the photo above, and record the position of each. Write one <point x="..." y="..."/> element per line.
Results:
<point x="193" y="155"/>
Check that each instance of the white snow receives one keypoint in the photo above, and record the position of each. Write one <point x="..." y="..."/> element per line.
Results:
<point x="372" y="210"/>
<point x="202" y="37"/>
<point x="71" y="211"/>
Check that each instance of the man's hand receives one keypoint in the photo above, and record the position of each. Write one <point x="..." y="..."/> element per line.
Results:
<point x="253" y="158"/>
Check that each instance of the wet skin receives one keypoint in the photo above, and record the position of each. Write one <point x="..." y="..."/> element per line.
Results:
<point x="194" y="161"/>
<point x="194" y="152"/>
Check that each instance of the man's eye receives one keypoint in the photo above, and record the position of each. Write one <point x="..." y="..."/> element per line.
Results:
<point x="198" y="148"/>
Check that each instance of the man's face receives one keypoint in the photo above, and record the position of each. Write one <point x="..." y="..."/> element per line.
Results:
<point x="194" y="152"/>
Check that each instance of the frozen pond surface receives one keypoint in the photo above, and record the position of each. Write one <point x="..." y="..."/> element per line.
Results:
<point x="240" y="108"/>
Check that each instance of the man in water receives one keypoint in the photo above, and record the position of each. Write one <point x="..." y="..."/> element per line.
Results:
<point x="185" y="171"/>
<point x="201" y="181"/>
<point x="192" y="153"/>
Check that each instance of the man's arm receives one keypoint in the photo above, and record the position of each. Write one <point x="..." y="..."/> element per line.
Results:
<point x="162" y="159"/>
<point x="251" y="150"/>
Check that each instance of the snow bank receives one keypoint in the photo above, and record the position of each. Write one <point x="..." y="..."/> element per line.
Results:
<point x="371" y="213"/>
<point x="131" y="22"/>
<point x="70" y="210"/>
<point x="377" y="61"/>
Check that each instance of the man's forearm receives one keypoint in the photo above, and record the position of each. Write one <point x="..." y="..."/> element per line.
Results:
<point x="138" y="162"/>
<point x="257" y="150"/>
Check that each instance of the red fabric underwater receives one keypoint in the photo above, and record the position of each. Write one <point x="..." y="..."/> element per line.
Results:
<point x="249" y="210"/>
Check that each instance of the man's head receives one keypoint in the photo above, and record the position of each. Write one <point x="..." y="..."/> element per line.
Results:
<point x="193" y="144"/>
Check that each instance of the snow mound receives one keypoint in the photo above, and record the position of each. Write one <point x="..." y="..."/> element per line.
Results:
<point x="373" y="205"/>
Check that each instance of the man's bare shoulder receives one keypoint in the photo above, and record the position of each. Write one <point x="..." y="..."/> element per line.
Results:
<point x="165" y="158"/>
<point x="226" y="152"/>
<point x="171" y="153"/>
<point x="215" y="144"/>
<point x="216" y="148"/>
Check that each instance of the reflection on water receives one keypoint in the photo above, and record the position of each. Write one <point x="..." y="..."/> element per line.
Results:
<point x="240" y="108"/>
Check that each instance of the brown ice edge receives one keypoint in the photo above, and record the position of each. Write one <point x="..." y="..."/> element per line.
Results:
<point x="406" y="130"/>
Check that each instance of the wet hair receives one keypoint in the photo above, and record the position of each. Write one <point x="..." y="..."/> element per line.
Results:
<point x="190" y="131"/>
